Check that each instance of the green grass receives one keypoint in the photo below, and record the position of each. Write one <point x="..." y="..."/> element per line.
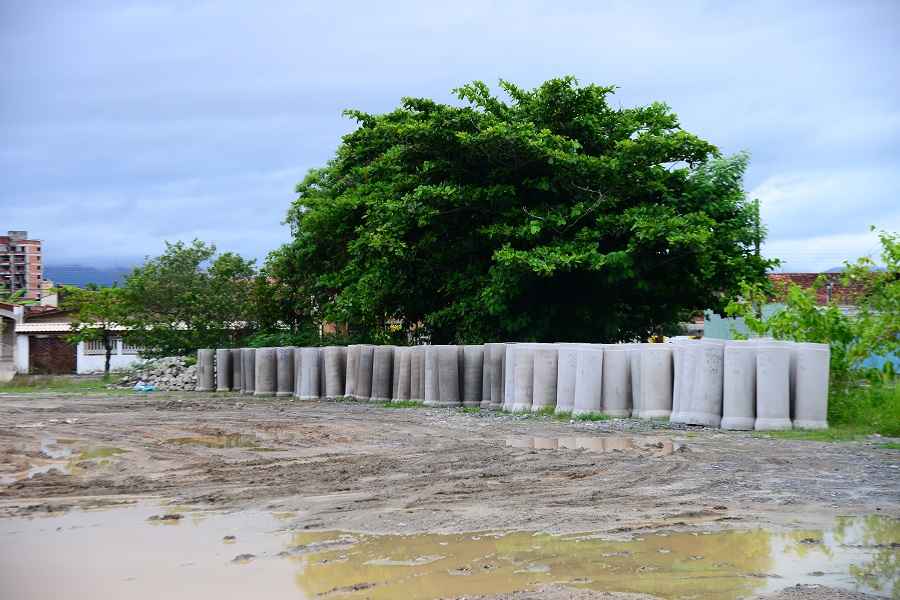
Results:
<point x="890" y="446"/>
<point x="57" y="383"/>
<point x="854" y="413"/>
<point x="402" y="404"/>
<point x="592" y="417"/>
<point x="471" y="410"/>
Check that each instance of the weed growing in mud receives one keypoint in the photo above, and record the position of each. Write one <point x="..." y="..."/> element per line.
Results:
<point x="563" y="416"/>
<point x="890" y="446"/>
<point x="402" y="404"/>
<point x="103" y="452"/>
<point x="471" y="410"/>
<point x="592" y="417"/>
<point x="874" y="408"/>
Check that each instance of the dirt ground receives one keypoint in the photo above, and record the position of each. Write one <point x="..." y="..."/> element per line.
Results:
<point x="362" y="467"/>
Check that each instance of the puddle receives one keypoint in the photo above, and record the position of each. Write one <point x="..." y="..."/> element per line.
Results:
<point x="131" y="557"/>
<point x="54" y="458"/>
<point x="658" y="446"/>
<point x="225" y="440"/>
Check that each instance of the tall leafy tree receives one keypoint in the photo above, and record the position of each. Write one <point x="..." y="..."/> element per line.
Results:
<point x="549" y="214"/>
<point x="189" y="298"/>
<point x="98" y="315"/>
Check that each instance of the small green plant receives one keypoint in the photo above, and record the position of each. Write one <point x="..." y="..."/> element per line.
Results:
<point x="890" y="446"/>
<point x="563" y="416"/>
<point x="402" y="404"/>
<point x="471" y="410"/>
<point x="592" y="417"/>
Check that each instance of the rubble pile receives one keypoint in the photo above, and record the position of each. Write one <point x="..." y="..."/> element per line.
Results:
<point x="170" y="373"/>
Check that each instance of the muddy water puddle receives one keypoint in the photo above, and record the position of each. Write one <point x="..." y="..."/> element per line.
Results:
<point x="225" y="440"/>
<point x="53" y="456"/>
<point x="126" y="552"/>
<point x="658" y="446"/>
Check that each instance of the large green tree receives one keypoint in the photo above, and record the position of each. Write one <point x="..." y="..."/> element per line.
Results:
<point x="97" y="316"/>
<point x="189" y="297"/>
<point x="549" y="214"/>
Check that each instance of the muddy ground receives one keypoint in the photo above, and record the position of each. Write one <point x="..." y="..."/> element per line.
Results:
<point x="357" y="466"/>
<point x="362" y="467"/>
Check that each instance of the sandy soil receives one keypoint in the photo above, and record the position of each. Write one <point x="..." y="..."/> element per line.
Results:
<point x="361" y="467"/>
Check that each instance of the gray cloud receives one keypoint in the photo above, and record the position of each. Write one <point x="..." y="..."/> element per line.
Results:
<point x="129" y="123"/>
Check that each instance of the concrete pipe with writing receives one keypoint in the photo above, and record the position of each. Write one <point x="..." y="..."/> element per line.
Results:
<point x="266" y="372"/>
<point x="472" y="375"/>
<point x="382" y="373"/>
<point x="616" y="380"/>
<point x="248" y="370"/>
<point x="335" y="369"/>
<point x="702" y="404"/>
<point x="810" y="368"/>
<point x="546" y="357"/>
<point x="739" y="385"/>
<point x="237" y="375"/>
<point x="773" y="385"/>
<point x="284" y="381"/>
<point x="589" y="381"/>
<point x="206" y="370"/>
<point x="223" y="370"/>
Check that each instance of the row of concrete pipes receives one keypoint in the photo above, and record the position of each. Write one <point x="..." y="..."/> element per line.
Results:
<point x="752" y="384"/>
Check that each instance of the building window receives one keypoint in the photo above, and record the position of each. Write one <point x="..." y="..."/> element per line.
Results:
<point x="95" y="347"/>
<point x="129" y="349"/>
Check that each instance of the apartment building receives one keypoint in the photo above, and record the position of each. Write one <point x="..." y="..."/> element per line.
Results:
<point x="21" y="266"/>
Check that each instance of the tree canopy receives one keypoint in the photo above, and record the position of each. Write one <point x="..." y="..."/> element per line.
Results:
<point x="548" y="215"/>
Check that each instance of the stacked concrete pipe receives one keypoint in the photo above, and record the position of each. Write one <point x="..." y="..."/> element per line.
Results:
<point x="284" y="369"/>
<point x="266" y="372"/>
<point x="494" y="372"/>
<point x="700" y="396"/>
<point x="442" y="376"/>
<point x="363" y="382"/>
<point x="223" y="370"/>
<point x="656" y="382"/>
<point x="566" y="373"/>
<point x="403" y="376"/>
<point x="248" y="370"/>
<point x="543" y="389"/>
<point x="417" y="374"/>
<point x="206" y="371"/>
<point x="237" y="376"/>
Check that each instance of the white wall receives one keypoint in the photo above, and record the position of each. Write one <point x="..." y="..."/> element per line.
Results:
<point x="21" y="353"/>
<point x="94" y="363"/>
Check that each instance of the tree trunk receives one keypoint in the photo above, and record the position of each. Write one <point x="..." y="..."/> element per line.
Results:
<point x="107" y="344"/>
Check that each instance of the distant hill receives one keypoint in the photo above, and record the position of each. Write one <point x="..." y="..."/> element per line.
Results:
<point x="80" y="275"/>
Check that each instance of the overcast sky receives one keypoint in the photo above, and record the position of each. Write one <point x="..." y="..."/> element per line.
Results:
<point x="124" y="124"/>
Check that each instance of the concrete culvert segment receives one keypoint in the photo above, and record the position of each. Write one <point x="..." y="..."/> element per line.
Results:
<point x="616" y="381"/>
<point x="656" y="381"/>
<point x="382" y="373"/>
<point x="334" y="367"/>
<point x="284" y="358"/>
<point x="266" y="372"/>
<point x="773" y="396"/>
<point x="472" y="375"/>
<point x="810" y="366"/>
<point x="545" y="377"/>
<point x="206" y="373"/>
<point x="248" y="370"/>
<point x="223" y="370"/>
<point x="308" y="364"/>
<point x="702" y="405"/>
<point x="237" y="376"/>
<point x="739" y="385"/>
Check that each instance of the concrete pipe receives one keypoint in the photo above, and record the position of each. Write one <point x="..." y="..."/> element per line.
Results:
<point x="352" y="370"/>
<point x="334" y="369"/>
<point x="395" y="373"/>
<point x="567" y="368"/>
<point x="417" y="373"/>
<point x="248" y="370"/>
<point x="702" y="402"/>
<point x="494" y="359"/>
<point x="448" y="376"/>
<point x="284" y="360"/>
<point x="656" y="381"/>
<point x="589" y="381"/>
<point x="509" y="375"/>
<point x="685" y="358"/>
<point x="485" y="400"/>
<point x="739" y="385"/>
<point x="472" y="375"/>
<point x="773" y="384"/>
<point x="206" y="370"/>
<point x="616" y="381"/>
<point x="546" y="357"/>
<point x="266" y="372"/>
<point x="403" y="384"/>
<point x="382" y="373"/>
<point x="522" y="387"/>
<point x="634" y="370"/>
<point x="364" y="372"/>
<point x="432" y="393"/>
<point x="308" y="373"/>
<point x="810" y="368"/>
<point x="223" y="370"/>
<point x="237" y="376"/>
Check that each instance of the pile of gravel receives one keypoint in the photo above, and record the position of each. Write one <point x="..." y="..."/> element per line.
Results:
<point x="170" y="373"/>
